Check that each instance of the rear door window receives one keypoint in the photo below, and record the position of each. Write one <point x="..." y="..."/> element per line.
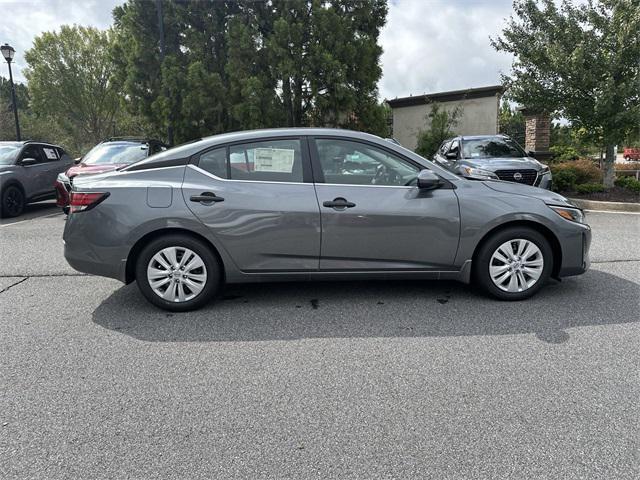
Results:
<point x="50" y="154"/>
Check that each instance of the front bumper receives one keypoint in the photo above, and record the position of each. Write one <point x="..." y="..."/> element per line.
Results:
<point x="575" y="252"/>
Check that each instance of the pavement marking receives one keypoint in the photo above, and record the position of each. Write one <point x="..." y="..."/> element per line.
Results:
<point x="30" y="219"/>
<point x="612" y="211"/>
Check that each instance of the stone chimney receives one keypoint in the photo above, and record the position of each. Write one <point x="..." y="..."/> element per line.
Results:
<point x="537" y="133"/>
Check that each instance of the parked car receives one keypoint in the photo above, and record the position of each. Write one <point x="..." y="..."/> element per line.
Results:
<point x="109" y="155"/>
<point x="314" y="204"/>
<point x="629" y="153"/>
<point x="492" y="157"/>
<point x="27" y="172"/>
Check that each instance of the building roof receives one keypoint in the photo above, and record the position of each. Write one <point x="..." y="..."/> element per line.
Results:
<point x="454" y="95"/>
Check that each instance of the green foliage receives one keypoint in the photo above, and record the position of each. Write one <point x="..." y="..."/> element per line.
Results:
<point x="590" y="188"/>
<point x="563" y="153"/>
<point x="69" y="75"/>
<point x="568" y="175"/>
<point x="564" y="181"/>
<point x="628" y="183"/>
<point x="246" y="64"/>
<point x="511" y="122"/>
<point x="440" y="126"/>
<point x="7" y="121"/>
<point x="578" y="61"/>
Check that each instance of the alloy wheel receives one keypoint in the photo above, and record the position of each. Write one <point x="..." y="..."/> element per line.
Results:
<point x="516" y="265"/>
<point x="13" y="202"/>
<point x="176" y="274"/>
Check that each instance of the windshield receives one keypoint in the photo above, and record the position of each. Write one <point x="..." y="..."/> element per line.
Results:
<point x="8" y="154"/>
<point x="491" y="147"/>
<point x="121" y="153"/>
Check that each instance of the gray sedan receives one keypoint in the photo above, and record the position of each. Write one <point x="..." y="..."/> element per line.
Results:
<point x="314" y="204"/>
<point x="495" y="157"/>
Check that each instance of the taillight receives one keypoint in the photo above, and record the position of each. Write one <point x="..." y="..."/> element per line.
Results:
<point x="83" y="201"/>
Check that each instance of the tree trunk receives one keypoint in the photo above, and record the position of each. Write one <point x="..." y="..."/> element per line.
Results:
<point x="609" y="160"/>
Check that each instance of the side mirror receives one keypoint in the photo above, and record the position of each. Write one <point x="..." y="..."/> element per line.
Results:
<point x="531" y="153"/>
<point x="77" y="160"/>
<point x="451" y="155"/>
<point x="427" y="180"/>
<point x="25" y="162"/>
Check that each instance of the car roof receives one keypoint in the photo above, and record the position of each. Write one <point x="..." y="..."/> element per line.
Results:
<point x="482" y="137"/>
<point x="131" y="140"/>
<point x="26" y="142"/>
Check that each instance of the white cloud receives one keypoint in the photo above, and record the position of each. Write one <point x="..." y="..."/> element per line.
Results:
<point x="438" y="45"/>
<point x="23" y="20"/>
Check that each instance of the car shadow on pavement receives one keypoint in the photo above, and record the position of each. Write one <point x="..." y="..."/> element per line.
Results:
<point x="34" y="210"/>
<point x="286" y="311"/>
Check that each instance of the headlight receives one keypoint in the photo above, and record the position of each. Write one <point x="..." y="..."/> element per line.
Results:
<point x="544" y="170"/>
<point x="478" y="173"/>
<point x="568" y="213"/>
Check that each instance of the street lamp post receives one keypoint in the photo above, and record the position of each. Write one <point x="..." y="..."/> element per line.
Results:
<point x="8" y="52"/>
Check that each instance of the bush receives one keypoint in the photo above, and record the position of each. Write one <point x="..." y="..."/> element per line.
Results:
<point x="567" y="175"/>
<point x="590" y="188"/>
<point x="627" y="166"/>
<point x="628" y="183"/>
<point x="564" y="153"/>
<point x="564" y="181"/>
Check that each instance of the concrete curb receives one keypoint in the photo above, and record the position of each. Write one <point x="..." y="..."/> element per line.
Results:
<point x="606" y="206"/>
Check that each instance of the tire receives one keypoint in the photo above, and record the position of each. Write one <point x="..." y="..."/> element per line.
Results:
<point x="13" y="201"/>
<point x="527" y="273"/>
<point x="153" y="265"/>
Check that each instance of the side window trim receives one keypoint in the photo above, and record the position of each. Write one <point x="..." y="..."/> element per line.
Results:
<point x="317" y="166"/>
<point x="307" y="176"/>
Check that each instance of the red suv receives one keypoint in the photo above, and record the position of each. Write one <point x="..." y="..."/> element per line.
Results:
<point x="109" y="155"/>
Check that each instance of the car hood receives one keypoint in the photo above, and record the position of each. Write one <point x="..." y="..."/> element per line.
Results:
<point x="547" y="196"/>
<point x="500" y="163"/>
<point x="82" y="169"/>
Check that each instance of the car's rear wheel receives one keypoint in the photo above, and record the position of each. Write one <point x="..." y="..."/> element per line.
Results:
<point x="13" y="201"/>
<point x="514" y="263"/>
<point x="177" y="272"/>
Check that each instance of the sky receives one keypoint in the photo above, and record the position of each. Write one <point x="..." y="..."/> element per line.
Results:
<point x="429" y="45"/>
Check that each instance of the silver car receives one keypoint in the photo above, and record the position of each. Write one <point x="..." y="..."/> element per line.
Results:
<point x="28" y="171"/>
<point x="495" y="157"/>
<point x="314" y="204"/>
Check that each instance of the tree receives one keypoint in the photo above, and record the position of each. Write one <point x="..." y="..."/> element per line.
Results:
<point x="7" y="120"/>
<point x="232" y="65"/>
<point x="70" y="82"/>
<point x="441" y="124"/>
<point x="511" y="122"/>
<point x="580" y="62"/>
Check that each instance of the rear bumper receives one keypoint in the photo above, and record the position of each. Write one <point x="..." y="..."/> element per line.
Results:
<point x="86" y="252"/>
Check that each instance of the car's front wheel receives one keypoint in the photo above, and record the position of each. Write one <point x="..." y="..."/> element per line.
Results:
<point x="13" y="201"/>
<point x="514" y="263"/>
<point x="178" y="272"/>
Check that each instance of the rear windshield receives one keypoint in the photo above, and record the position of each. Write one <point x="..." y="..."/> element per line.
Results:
<point x="491" y="147"/>
<point x="8" y="154"/>
<point x="120" y="153"/>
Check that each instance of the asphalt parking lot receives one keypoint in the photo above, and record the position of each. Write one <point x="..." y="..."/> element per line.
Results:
<point x="318" y="380"/>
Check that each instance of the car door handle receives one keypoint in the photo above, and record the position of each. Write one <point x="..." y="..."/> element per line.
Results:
<point x="206" y="198"/>
<point x="338" y="203"/>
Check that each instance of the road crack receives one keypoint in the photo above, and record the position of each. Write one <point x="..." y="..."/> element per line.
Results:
<point x="14" y="284"/>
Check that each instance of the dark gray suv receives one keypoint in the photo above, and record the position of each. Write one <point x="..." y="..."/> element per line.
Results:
<point x="492" y="157"/>
<point x="311" y="204"/>
<point x="28" y="171"/>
